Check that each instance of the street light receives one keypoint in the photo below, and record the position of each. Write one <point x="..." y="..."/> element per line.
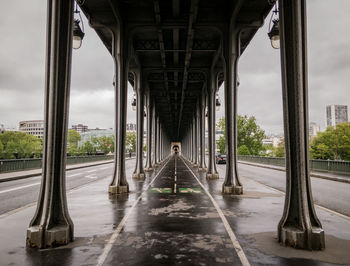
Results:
<point x="274" y="34"/>
<point x="133" y="104"/>
<point x="78" y="33"/>
<point x="274" y="31"/>
<point x="217" y="102"/>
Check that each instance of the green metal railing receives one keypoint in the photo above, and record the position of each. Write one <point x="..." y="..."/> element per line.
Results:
<point x="340" y="167"/>
<point x="26" y="164"/>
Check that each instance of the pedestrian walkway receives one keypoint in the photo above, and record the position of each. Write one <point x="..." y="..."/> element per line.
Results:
<point x="174" y="217"/>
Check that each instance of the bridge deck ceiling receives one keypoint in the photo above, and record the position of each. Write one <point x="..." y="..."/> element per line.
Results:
<point x="175" y="43"/>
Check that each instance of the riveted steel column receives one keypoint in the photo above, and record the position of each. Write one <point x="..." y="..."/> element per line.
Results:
<point x="155" y="141"/>
<point x="148" y="166"/>
<point x="232" y="184"/>
<point x="195" y="125"/>
<point x="51" y="224"/>
<point x="202" y="167"/>
<point x="212" y="173"/>
<point x="139" y="84"/>
<point x="154" y="132"/>
<point x="119" y="183"/>
<point x="299" y="226"/>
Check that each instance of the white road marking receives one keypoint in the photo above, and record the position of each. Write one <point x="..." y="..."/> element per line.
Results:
<point x="319" y="206"/>
<point x="107" y="167"/>
<point x="108" y="247"/>
<point x="18" y="188"/>
<point x="91" y="176"/>
<point x="90" y="171"/>
<point x="74" y="175"/>
<point x="228" y="228"/>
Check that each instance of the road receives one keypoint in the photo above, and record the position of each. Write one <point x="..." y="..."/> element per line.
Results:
<point x="18" y="193"/>
<point x="330" y="194"/>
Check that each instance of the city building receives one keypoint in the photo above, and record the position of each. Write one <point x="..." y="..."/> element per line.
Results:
<point x="130" y="127"/>
<point x="87" y="136"/>
<point x="313" y="129"/>
<point x="273" y="140"/>
<point x="32" y="127"/>
<point x="336" y="114"/>
<point x="80" y="128"/>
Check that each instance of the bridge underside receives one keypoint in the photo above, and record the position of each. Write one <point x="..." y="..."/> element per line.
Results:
<point x="176" y="54"/>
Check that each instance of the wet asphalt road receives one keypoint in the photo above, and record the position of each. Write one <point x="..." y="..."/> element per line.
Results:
<point x="330" y="194"/>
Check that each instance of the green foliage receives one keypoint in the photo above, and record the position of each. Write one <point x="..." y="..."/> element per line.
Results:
<point x="130" y="141"/>
<point x="249" y="134"/>
<point x="243" y="150"/>
<point x="333" y="144"/>
<point x="221" y="145"/>
<point x="19" y="145"/>
<point x="88" y="148"/>
<point x="73" y="138"/>
<point x="279" y="150"/>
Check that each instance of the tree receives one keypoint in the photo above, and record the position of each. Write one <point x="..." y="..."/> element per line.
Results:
<point x="249" y="134"/>
<point x="280" y="150"/>
<point x="333" y="144"/>
<point x="243" y="150"/>
<point x="221" y="144"/>
<point x="73" y="138"/>
<point x="130" y="141"/>
<point x="88" y="148"/>
<point x="20" y="145"/>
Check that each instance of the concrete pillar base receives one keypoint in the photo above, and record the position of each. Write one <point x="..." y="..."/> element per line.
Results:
<point x="296" y="238"/>
<point x="140" y="176"/>
<point x="195" y="165"/>
<point x="212" y="176"/>
<point x="118" y="189"/>
<point x="56" y="236"/>
<point x="148" y="169"/>
<point x="233" y="190"/>
<point x="202" y="169"/>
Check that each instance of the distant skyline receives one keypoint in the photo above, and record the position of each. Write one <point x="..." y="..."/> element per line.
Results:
<point x="22" y="69"/>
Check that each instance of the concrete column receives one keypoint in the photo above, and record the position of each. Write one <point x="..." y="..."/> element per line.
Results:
<point x="155" y="163"/>
<point x="212" y="173"/>
<point x="232" y="184"/>
<point x="139" y="84"/>
<point x="202" y="167"/>
<point x="149" y="107"/>
<point x="299" y="226"/>
<point x="119" y="183"/>
<point x="51" y="224"/>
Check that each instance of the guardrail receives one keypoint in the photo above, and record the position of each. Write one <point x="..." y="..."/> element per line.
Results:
<point x="339" y="167"/>
<point x="26" y="164"/>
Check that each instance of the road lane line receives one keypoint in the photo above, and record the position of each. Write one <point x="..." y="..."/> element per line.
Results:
<point x="90" y="171"/>
<point x="228" y="228"/>
<point x="18" y="188"/>
<point x="109" y="245"/>
<point x="317" y="205"/>
<point x="74" y="175"/>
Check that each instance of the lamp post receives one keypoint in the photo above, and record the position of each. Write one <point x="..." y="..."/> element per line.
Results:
<point x="274" y="34"/>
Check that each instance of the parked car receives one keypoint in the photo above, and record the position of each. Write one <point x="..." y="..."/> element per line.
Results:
<point x="221" y="159"/>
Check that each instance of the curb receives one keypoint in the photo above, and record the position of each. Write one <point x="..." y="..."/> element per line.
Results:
<point x="311" y="174"/>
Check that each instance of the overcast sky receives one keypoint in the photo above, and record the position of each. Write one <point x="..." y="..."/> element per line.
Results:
<point x="22" y="69"/>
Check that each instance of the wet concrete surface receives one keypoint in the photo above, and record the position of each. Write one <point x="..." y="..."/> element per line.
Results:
<point x="168" y="228"/>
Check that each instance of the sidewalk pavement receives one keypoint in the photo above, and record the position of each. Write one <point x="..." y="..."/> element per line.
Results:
<point x="323" y="175"/>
